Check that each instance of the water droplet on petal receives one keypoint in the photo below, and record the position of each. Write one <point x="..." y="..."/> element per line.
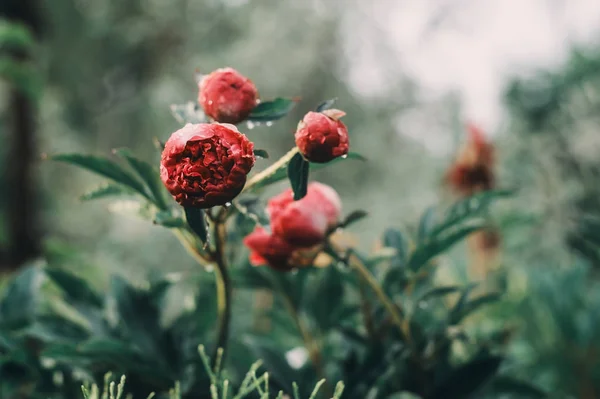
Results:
<point x="344" y="156"/>
<point x="269" y="123"/>
<point x="210" y="102"/>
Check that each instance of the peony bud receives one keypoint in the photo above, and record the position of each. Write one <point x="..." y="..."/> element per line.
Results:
<point x="227" y="96"/>
<point x="298" y="228"/>
<point x="472" y="171"/>
<point x="321" y="136"/>
<point x="206" y="164"/>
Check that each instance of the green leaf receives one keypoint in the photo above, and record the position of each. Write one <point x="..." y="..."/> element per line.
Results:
<point x="514" y="386"/>
<point x="106" y="191"/>
<point x="19" y="299"/>
<point x="469" y="208"/>
<point x="273" y="359"/>
<point x="459" y="314"/>
<point x="298" y="174"/>
<point x="353" y="217"/>
<point x="261" y="154"/>
<point x="15" y="38"/>
<point x="167" y="219"/>
<point x="426" y="224"/>
<point x="395" y="239"/>
<point x="323" y="297"/>
<point x="437" y="245"/>
<point x="149" y="175"/>
<point x="103" y="167"/>
<point x="197" y="221"/>
<point x="272" y="110"/>
<point x="325" y="105"/>
<point x="76" y="289"/>
<point x="439" y="291"/>
<point x="280" y="173"/>
<point x="467" y="379"/>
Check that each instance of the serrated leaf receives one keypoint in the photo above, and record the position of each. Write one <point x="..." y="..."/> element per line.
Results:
<point x="106" y="191"/>
<point x="197" y="221"/>
<point x="325" y="105"/>
<point x="353" y="217"/>
<point x="103" y="167"/>
<point x="273" y="110"/>
<point x="149" y="175"/>
<point x="298" y="174"/>
<point x="261" y="154"/>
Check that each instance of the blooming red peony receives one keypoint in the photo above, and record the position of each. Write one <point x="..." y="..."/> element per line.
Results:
<point x="206" y="164"/>
<point x="227" y="96"/>
<point x="472" y="171"/>
<point x="321" y="136"/>
<point x="297" y="227"/>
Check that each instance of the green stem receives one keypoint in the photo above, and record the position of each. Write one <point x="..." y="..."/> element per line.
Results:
<point x="355" y="263"/>
<point x="223" y="286"/>
<point x="281" y="162"/>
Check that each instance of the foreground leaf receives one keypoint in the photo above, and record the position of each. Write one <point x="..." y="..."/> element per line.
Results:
<point x="197" y="221"/>
<point x="272" y="110"/>
<point x="468" y="378"/>
<point x="106" y="191"/>
<point x="103" y="167"/>
<point x="149" y="175"/>
<point x="298" y="174"/>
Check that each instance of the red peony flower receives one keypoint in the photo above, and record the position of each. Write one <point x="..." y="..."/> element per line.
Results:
<point x="227" y="96"/>
<point x="321" y="136"/>
<point x="297" y="227"/>
<point x="472" y="170"/>
<point x="206" y="164"/>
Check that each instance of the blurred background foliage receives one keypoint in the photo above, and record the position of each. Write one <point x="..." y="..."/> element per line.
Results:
<point x="111" y="69"/>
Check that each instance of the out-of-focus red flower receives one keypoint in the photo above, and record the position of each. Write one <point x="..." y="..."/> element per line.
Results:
<point x="206" y="164"/>
<point x="473" y="169"/>
<point x="321" y="136"/>
<point x="227" y="96"/>
<point x="298" y="227"/>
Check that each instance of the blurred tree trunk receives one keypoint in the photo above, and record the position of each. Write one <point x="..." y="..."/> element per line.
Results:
<point x="21" y="207"/>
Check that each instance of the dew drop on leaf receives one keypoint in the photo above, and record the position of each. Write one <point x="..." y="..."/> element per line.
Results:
<point x="269" y="123"/>
<point x="250" y="125"/>
<point x="344" y="156"/>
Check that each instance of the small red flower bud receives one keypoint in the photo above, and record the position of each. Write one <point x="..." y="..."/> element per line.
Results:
<point x="321" y="136"/>
<point x="298" y="228"/>
<point x="472" y="170"/>
<point x="206" y="164"/>
<point x="227" y="96"/>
